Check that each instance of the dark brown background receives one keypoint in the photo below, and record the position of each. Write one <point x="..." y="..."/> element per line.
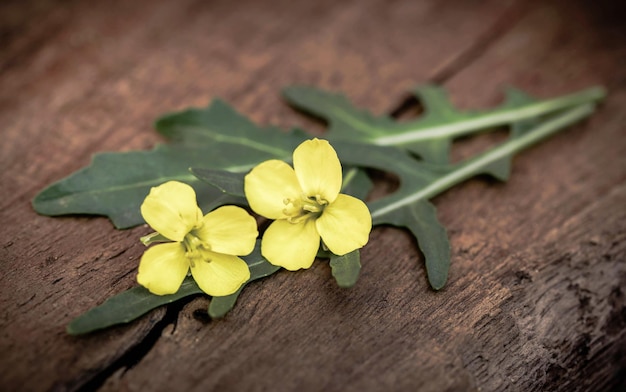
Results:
<point x="535" y="299"/>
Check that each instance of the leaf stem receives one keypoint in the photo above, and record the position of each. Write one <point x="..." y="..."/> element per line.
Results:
<point x="474" y="166"/>
<point x="496" y="118"/>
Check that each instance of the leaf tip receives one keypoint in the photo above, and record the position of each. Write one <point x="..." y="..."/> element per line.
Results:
<point x="74" y="327"/>
<point x="437" y="281"/>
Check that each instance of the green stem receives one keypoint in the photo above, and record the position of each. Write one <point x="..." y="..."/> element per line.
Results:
<point x="496" y="118"/>
<point x="475" y="165"/>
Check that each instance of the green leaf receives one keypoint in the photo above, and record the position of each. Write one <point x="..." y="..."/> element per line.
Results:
<point x="137" y="301"/>
<point x="126" y="307"/>
<point x="431" y="135"/>
<point x="228" y="145"/>
<point x="420" y="181"/>
<point x="346" y="268"/>
<point x="115" y="184"/>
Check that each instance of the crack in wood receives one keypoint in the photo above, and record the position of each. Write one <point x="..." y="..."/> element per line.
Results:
<point x="133" y="355"/>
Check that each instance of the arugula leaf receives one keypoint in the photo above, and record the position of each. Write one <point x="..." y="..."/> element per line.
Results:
<point x="137" y="301"/>
<point x="115" y="184"/>
<point x="228" y="145"/>
<point x="419" y="181"/>
<point x="127" y="306"/>
<point x="217" y="137"/>
<point x="430" y="136"/>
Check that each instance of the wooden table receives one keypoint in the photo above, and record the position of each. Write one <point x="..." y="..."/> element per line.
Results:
<point x="536" y="294"/>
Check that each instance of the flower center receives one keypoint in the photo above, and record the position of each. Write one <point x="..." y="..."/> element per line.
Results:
<point x="305" y="207"/>
<point x="196" y="249"/>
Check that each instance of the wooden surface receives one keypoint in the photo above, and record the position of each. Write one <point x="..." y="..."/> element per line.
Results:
<point x="536" y="293"/>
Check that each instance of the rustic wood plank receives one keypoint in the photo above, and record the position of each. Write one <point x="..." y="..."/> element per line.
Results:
<point x="78" y="78"/>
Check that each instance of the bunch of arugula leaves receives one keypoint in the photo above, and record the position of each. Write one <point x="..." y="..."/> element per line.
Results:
<point x="212" y="149"/>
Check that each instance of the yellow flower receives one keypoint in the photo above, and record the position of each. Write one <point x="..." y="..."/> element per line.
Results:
<point x="306" y="205"/>
<point x="208" y="245"/>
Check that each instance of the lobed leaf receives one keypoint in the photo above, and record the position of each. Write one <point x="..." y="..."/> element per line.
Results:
<point x="430" y="136"/>
<point x="126" y="307"/>
<point x="419" y="181"/>
<point x="221" y="146"/>
<point x="137" y="301"/>
<point x="115" y="184"/>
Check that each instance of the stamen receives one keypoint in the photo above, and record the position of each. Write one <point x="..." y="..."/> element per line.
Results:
<point x="311" y="208"/>
<point x="305" y="207"/>
<point x="195" y="248"/>
<point x="320" y="201"/>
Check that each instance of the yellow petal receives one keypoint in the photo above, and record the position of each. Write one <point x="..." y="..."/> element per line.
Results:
<point x="318" y="169"/>
<point x="268" y="185"/>
<point x="345" y="225"/>
<point x="172" y="210"/>
<point x="291" y="245"/>
<point x="163" y="268"/>
<point x="222" y="275"/>
<point x="229" y="230"/>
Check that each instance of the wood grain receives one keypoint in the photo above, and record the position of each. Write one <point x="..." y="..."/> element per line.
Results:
<point x="535" y="299"/>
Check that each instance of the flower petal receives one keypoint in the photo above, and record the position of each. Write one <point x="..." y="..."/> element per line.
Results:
<point x="172" y="210"/>
<point x="345" y="225"/>
<point x="268" y="185"/>
<point x="222" y="275"/>
<point x="229" y="230"/>
<point x="291" y="245"/>
<point x="163" y="268"/>
<point x="318" y="169"/>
